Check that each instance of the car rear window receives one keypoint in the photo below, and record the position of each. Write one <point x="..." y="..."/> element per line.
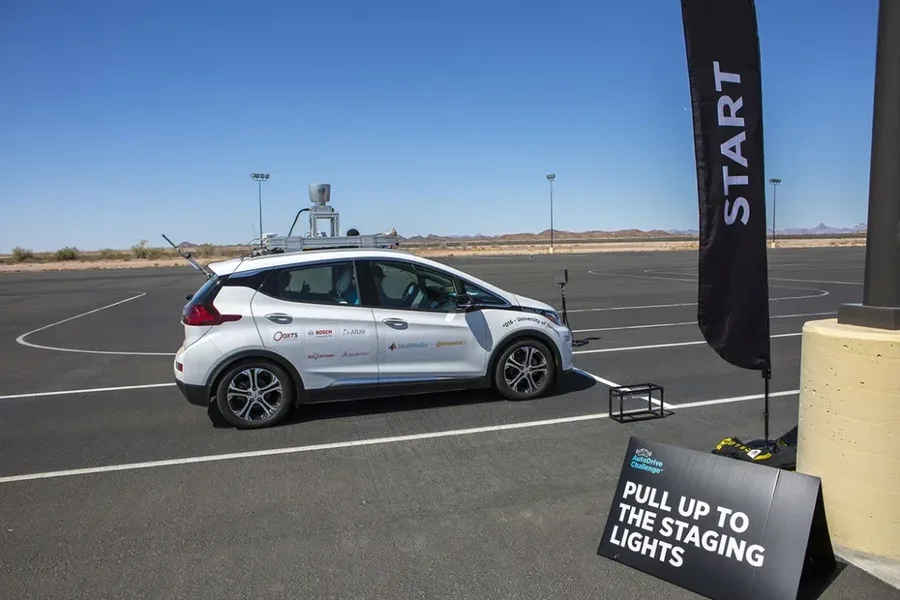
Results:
<point x="206" y="290"/>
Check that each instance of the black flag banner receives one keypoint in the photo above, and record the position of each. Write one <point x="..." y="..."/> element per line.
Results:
<point x="726" y="95"/>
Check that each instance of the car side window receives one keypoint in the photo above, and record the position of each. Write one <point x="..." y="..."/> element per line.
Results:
<point x="481" y="296"/>
<point x="322" y="283"/>
<point x="408" y="286"/>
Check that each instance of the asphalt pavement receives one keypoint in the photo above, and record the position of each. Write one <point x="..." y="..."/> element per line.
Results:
<point x="111" y="485"/>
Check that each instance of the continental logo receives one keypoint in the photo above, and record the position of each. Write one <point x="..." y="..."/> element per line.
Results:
<point x="443" y="343"/>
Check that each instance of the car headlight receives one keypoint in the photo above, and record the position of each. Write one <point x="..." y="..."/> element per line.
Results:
<point x="552" y="315"/>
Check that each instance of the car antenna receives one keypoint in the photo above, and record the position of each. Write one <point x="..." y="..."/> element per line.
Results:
<point x="187" y="256"/>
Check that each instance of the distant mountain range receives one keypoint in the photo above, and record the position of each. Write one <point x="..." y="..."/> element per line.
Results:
<point x="820" y="229"/>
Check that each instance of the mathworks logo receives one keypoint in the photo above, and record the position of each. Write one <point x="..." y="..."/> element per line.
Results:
<point x="643" y="461"/>
<point x="407" y="346"/>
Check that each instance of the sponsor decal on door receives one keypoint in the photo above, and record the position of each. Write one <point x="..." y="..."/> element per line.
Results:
<point x="408" y="345"/>
<point x="443" y="343"/>
<point x="358" y="333"/>
<point x="285" y="336"/>
<point x="320" y="332"/>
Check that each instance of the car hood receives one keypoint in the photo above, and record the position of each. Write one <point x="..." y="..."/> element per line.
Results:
<point x="532" y="303"/>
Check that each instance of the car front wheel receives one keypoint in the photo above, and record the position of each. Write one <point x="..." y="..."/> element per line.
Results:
<point x="525" y="370"/>
<point x="255" y="394"/>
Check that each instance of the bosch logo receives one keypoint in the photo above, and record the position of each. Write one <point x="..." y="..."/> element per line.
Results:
<point x="281" y="335"/>
<point x="321" y="332"/>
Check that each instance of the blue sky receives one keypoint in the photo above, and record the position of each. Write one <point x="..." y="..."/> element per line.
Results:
<point x="125" y="120"/>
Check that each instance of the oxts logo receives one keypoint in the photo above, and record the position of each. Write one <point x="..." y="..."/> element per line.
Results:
<point x="285" y="335"/>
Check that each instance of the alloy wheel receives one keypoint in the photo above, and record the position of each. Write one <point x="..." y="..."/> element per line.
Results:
<point x="526" y="370"/>
<point x="254" y="394"/>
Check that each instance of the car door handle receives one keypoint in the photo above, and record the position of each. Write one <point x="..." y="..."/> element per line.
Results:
<point x="280" y="318"/>
<point x="396" y="323"/>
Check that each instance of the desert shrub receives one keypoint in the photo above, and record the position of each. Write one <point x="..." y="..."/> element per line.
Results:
<point x="67" y="253"/>
<point x="205" y="251"/>
<point x="110" y="254"/>
<point x="143" y="250"/>
<point x="20" y="254"/>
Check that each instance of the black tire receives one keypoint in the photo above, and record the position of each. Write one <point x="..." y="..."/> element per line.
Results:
<point x="542" y="361"/>
<point x="268" y="374"/>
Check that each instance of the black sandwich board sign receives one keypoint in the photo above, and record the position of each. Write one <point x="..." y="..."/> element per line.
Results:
<point x="718" y="527"/>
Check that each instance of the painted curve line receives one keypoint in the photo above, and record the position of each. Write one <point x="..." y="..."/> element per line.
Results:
<point x="21" y="339"/>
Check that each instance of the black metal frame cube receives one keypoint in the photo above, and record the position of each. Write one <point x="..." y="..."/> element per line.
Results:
<point x="641" y="390"/>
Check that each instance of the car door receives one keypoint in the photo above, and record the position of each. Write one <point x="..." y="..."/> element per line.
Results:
<point x="304" y="313"/>
<point x="422" y="336"/>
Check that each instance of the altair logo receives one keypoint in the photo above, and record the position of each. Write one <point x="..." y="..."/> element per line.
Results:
<point x="354" y="331"/>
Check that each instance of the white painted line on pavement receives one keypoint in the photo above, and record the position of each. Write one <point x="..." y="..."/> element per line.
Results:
<point x="816" y="314"/>
<point x="357" y="443"/>
<point x="818" y="294"/>
<point x="613" y="384"/>
<point x="672" y="345"/>
<point x="21" y="338"/>
<point x="770" y="278"/>
<point x="88" y="391"/>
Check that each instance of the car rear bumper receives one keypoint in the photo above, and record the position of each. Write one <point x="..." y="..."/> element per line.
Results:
<point x="195" y="394"/>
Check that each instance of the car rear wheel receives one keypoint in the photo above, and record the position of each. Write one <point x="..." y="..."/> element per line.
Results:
<point x="526" y="369"/>
<point x="255" y="394"/>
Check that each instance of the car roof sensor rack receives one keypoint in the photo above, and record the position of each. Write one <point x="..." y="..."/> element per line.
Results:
<point x="322" y="239"/>
<point x="287" y="244"/>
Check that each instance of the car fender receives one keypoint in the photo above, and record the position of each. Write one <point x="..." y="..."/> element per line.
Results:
<point x="522" y="333"/>
<point x="228" y="360"/>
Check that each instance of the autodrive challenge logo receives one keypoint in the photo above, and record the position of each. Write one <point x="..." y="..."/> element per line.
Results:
<point x="643" y="461"/>
<point x="407" y="345"/>
<point x="281" y="336"/>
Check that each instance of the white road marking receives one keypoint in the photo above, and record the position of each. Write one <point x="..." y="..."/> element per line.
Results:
<point x="654" y="325"/>
<point x="672" y="345"/>
<point x="819" y="294"/>
<point x="613" y="384"/>
<point x="21" y="338"/>
<point x="358" y="443"/>
<point x="657" y="271"/>
<point x="88" y="391"/>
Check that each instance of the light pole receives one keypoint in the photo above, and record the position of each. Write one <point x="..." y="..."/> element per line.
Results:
<point x="880" y="306"/>
<point x="259" y="178"/>
<point x="550" y="178"/>
<point x="774" y="181"/>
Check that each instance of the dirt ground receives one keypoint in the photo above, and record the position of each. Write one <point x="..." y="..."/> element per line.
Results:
<point x="475" y="250"/>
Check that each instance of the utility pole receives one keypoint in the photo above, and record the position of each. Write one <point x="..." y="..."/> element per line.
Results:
<point x="774" y="181"/>
<point x="550" y="178"/>
<point x="880" y="307"/>
<point x="259" y="178"/>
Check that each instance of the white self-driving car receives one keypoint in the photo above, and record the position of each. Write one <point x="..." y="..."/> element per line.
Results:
<point x="267" y="333"/>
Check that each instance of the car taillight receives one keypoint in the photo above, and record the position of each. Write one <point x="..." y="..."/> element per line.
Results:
<point x="205" y="315"/>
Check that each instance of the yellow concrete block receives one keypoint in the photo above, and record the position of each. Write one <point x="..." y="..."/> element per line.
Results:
<point x="849" y="431"/>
